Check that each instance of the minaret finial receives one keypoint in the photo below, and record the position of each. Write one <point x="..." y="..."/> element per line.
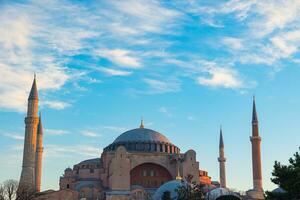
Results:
<point x="178" y="177"/>
<point x="33" y="92"/>
<point x="142" y="123"/>
<point x="221" y="144"/>
<point x="254" y="113"/>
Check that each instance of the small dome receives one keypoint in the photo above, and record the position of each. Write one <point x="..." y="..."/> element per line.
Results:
<point x="141" y="134"/>
<point x="90" y="161"/>
<point x="68" y="169"/>
<point x="170" y="186"/>
<point x="279" y="190"/>
<point x="217" y="192"/>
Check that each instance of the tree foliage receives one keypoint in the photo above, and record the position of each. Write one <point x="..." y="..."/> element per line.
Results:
<point x="166" y="195"/>
<point x="190" y="191"/>
<point x="287" y="177"/>
<point x="10" y="190"/>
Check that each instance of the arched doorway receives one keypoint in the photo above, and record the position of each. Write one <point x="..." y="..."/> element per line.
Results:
<point x="149" y="175"/>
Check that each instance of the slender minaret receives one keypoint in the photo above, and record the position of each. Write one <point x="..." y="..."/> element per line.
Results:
<point x="27" y="180"/>
<point x="257" y="191"/>
<point x="39" y="156"/>
<point x="222" y="161"/>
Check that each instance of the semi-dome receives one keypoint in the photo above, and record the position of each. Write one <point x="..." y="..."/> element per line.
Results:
<point x="218" y="192"/>
<point x="141" y="134"/>
<point x="171" y="187"/>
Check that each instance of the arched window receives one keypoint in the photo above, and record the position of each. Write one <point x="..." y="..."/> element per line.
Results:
<point x="149" y="175"/>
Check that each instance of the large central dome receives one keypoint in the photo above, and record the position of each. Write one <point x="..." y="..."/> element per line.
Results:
<point x="143" y="140"/>
<point x="141" y="134"/>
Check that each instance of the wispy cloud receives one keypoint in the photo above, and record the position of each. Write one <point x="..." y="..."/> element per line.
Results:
<point x="233" y="43"/>
<point x="159" y="86"/>
<point x="58" y="105"/>
<point x="75" y="150"/>
<point x="115" y="128"/>
<point x="113" y="72"/>
<point x="56" y="132"/>
<point x="13" y="136"/>
<point x="123" y="58"/>
<point x="221" y="77"/>
<point x="90" y="134"/>
<point x="165" y="111"/>
<point x="147" y="16"/>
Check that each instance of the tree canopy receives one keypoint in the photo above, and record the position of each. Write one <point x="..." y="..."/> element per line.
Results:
<point x="287" y="177"/>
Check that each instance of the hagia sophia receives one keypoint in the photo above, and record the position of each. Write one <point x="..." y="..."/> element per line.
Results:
<point x="139" y="164"/>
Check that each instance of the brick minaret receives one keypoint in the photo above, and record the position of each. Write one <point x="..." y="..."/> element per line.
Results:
<point x="39" y="156"/>
<point x="222" y="161"/>
<point x="257" y="191"/>
<point x="27" y="180"/>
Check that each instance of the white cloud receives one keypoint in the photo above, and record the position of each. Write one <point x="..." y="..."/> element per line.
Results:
<point x="121" y="57"/>
<point x="21" y="56"/>
<point x="115" y="128"/>
<point x="287" y="43"/>
<point x="113" y="72"/>
<point x="146" y="16"/>
<point x="55" y="132"/>
<point x="159" y="86"/>
<point x="90" y="134"/>
<point x="13" y="136"/>
<point x="221" y="77"/>
<point x="233" y="43"/>
<point x="75" y="150"/>
<point x="58" y="105"/>
<point x="275" y="15"/>
<point x="165" y="111"/>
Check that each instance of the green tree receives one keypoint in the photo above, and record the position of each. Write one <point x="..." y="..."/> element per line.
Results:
<point x="166" y="195"/>
<point x="287" y="177"/>
<point x="190" y="190"/>
<point x="2" y="192"/>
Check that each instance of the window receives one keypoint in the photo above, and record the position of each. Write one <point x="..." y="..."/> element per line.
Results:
<point x="144" y="172"/>
<point x="151" y="172"/>
<point x="92" y="170"/>
<point x="68" y="186"/>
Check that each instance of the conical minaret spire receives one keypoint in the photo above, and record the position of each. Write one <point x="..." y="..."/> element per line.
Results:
<point x="27" y="180"/>
<point x="257" y="191"/>
<point x="222" y="161"/>
<point x="33" y="92"/>
<point x="254" y="113"/>
<point x="39" y="156"/>
<point x="221" y="142"/>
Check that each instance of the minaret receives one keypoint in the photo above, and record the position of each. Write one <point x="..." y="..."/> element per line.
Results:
<point x="39" y="155"/>
<point x="27" y="180"/>
<point x="257" y="191"/>
<point x="222" y="161"/>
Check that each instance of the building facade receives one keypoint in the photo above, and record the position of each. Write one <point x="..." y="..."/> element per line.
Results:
<point x="137" y="163"/>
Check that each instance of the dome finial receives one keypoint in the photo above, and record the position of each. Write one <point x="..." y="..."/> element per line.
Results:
<point x="178" y="177"/>
<point x="142" y="123"/>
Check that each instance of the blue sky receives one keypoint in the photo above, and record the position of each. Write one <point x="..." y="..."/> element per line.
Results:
<point x="185" y="66"/>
